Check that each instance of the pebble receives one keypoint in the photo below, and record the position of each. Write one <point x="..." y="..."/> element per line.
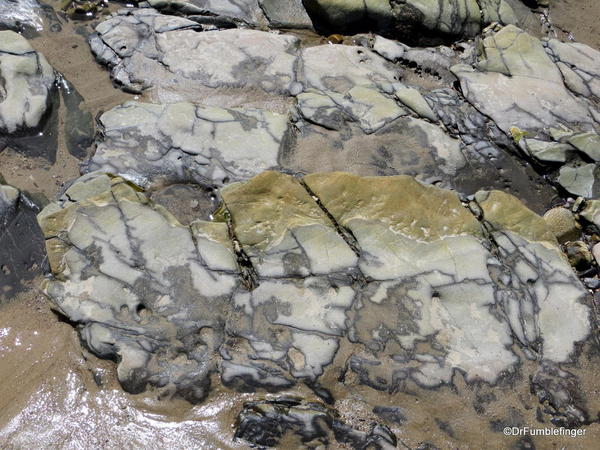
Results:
<point x="579" y="255"/>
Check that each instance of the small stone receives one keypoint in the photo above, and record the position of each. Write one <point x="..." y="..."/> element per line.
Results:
<point x="591" y="212"/>
<point x="335" y="39"/>
<point x="563" y="224"/>
<point x="579" y="255"/>
<point x="596" y="253"/>
<point x="592" y="283"/>
<point x="578" y="204"/>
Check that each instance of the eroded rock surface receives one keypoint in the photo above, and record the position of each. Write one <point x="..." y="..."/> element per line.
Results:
<point x="27" y="83"/>
<point x="354" y="108"/>
<point x="528" y="88"/>
<point x="379" y="282"/>
<point x="268" y="423"/>
<point x="182" y="142"/>
<point x="413" y="20"/>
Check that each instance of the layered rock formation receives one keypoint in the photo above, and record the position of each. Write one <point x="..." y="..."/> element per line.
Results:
<point x="391" y="283"/>
<point x="349" y="226"/>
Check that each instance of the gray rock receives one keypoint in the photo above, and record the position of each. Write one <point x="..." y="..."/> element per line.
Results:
<point x="16" y="13"/>
<point x="146" y="49"/>
<point x="182" y="142"/>
<point x="266" y="423"/>
<point x="580" y="180"/>
<point x="353" y="14"/>
<point x="415" y="20"/>
<point x="27" y="83"/>
<point x="267" y="295"/>
<point x="22" y="255"/>
<point x="518" y="85"/>
<point x="245" y="11"/>
<point x="517" y="82"/>
<point x="286" y="13"/>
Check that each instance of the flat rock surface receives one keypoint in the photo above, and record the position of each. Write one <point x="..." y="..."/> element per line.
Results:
<point x="300" y="280"/>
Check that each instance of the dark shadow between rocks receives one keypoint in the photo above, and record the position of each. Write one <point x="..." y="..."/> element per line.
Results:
<point x="22" y="250"/>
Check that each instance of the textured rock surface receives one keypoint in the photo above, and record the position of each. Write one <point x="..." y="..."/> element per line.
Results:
<point x="414" y="20"/>
<point x="354" y="110"/>
<point x="27" y="82"/>
<point x="16" y="13"/>
<point x="210" y="253"/>
<point x="182" y="142"/>
<point x="146" y="49"/>
<point x="299" y="278"/>
<point x="524" y="85"/>
<point x="270" y="422"/>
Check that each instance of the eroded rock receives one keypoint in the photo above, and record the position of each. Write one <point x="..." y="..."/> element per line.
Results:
<point x="519" y="81"/>
<point x="268" y="423"/>
<point x="183" y="142"/>
<point x="27" y="84"/>
<point x="379" y="278"/>
<point x="425" y="22"/>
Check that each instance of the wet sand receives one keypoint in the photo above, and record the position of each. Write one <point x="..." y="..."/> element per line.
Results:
<point x="579" y="17"/>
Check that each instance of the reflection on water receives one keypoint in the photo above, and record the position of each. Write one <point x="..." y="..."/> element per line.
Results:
<point x="54" y="396"/>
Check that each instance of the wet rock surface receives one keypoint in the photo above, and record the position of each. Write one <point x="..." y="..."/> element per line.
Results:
<point x="22" y="253"/>
<point x="27" y="82"/>
<point x="319" y="241"/>
<point x="304" y="278"/>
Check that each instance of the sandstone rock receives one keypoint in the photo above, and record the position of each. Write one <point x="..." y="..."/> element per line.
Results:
<point x="245" y="11"/>
<point x="562" y="222"/>
<point x="286" y="13"/>
<point x="544" y="151"/>
<point x="580" y="180"/>
<point x="579" y="255"/>
<point x="373" y="266"/>
<point x="516" y="83"/>
<point x="27" y="85"/>
<point x="519" y="83"/>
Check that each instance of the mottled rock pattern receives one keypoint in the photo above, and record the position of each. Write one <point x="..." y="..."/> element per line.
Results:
<point x="421" y="21"/>
<point x="16" y="13"/>
<point x="145" y="49"/>
<point x="397" y="281"/>
<point x="182" y="142"/>
<point x="524" y="85"/>
<point x="267" y="423"/>
<point x="353" y="110"/>
<point x="244" y="11"/>
<point x="27" y="83"/>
